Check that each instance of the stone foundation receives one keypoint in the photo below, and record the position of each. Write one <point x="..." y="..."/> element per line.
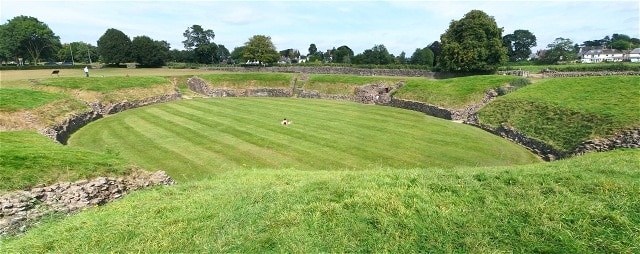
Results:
<point x="22" y="209"/>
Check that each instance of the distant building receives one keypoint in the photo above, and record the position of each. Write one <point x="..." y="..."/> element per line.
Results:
<point x="602" y="55"/>
<point x="634" y="55"/>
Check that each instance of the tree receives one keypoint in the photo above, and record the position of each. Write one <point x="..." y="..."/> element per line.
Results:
<point x="376" y="55"/>
<point x="422" y="57"/>
<point x="402" y="58"/>
<point x="237" y="55"/>
<point x="201" y="42"/>
<point x="149" y="53"/>
<point x="342" y="54"/>
<point x="25" y="36"/>
<point x="472" y="44"/>
<point x="435" y="47"/>
<point x="78" y="52"/>
<point x="560" y="50"/>
<point x="260" y="48"/>
<point x="222" y="53"/>
<point x="312" y="49"/>
<point x="519" y="45"/>
<point x="114" y="47"/>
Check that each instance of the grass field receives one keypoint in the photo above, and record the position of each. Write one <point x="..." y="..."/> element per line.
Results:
<point x="567" y="111"/>
<point x="587" y="204"/>
<point x="196" y="138"/>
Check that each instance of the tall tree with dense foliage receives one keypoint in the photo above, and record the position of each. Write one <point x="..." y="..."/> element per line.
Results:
<point x="312" y="49"/>
<point x="519" y="45"/>
<point x="27" y="37"/>
<point x="148" y="52"/>
<point x="435" y="47"/>
<point x="260" y="48"/>
<point x="472" y="44"/>
<point x="342" y="54"/>
<point x="560" y="50"/>
<point x="114" y="47"/>
<point x="200" y="41"/>
<point x="422" y="56"/>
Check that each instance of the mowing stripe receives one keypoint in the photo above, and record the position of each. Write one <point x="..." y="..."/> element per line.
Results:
<point x="196" y="138"/>
<point x="251" y="133"/>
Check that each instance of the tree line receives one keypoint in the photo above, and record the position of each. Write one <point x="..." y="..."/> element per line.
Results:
<point x="474" y="43"/>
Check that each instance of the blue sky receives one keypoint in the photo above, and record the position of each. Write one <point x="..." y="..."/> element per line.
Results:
<point x="399" y="25"/>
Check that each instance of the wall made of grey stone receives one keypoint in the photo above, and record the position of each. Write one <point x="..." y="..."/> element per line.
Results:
<point x="21" y="209"/>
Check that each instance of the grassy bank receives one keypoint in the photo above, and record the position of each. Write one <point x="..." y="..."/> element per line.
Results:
<point x="587" y="204"/>
<point x="452" y="93"/>
<point x="28" y="158"/>
<point x="249" y="80"/>
<point x="207" y="136"/>
<point x="344" y="84"/>
<point x="567" y="111"/>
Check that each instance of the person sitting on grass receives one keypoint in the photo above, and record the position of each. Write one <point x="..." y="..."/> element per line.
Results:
<point x="286" y="122"/>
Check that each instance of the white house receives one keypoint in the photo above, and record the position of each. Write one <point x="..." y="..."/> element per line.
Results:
<point x="602" y="55"/>
<point x="634" y="55"/>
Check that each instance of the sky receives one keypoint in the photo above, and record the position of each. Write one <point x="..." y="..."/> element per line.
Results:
<point x="401" y="26"/>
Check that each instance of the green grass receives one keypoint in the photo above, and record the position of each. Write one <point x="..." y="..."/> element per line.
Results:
<point x="28" y="158"/>
<point x="452" y="93"/>
<point x="100" y="84"/>
<point x="567" y="111"/>
<point x="344" y="84"/>
<point x="196" y="138"/>
<point x="248" y="80"/>
<point x="12" y="99"/>
<point x="587" y="204"/>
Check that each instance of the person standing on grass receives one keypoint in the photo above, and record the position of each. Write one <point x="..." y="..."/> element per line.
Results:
<point x="86" y="71"/>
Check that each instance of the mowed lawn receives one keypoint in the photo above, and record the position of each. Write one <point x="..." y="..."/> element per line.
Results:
<point x="196" y="138"/>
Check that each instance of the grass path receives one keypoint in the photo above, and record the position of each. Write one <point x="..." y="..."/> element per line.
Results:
<point x="197" y="138"/>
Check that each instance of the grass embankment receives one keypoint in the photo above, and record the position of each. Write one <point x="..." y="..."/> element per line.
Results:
<point x="249" y="80"/>
<point x="344" y="84"/>
<point x="28" y="158"/>
<point x="587" y="204"/>
<point x="197" y="138"/>
<point x="453" y="93"/>
<point x="23" y="109"/>
<point x="564" y="112"/>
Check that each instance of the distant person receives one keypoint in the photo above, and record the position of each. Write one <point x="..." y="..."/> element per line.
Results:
<point x="86" y="71"/>
<point x="286" y="122"/>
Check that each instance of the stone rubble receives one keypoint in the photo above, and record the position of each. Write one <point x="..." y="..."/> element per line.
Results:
<point x="23" y="208"/>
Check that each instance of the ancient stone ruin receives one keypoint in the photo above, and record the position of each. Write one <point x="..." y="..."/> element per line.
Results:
<point x="21" y="209"/>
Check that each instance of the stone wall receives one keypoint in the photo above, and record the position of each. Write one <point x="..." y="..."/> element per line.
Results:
<point x="341" y="70"/>
<point x="421" y="107"/>
<point x="61" y="132"/>
<point x="626" y="139"/>
<point x="200" y="86"/>
<point x="542" y="149"/>
<point x="22" y="209"/>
